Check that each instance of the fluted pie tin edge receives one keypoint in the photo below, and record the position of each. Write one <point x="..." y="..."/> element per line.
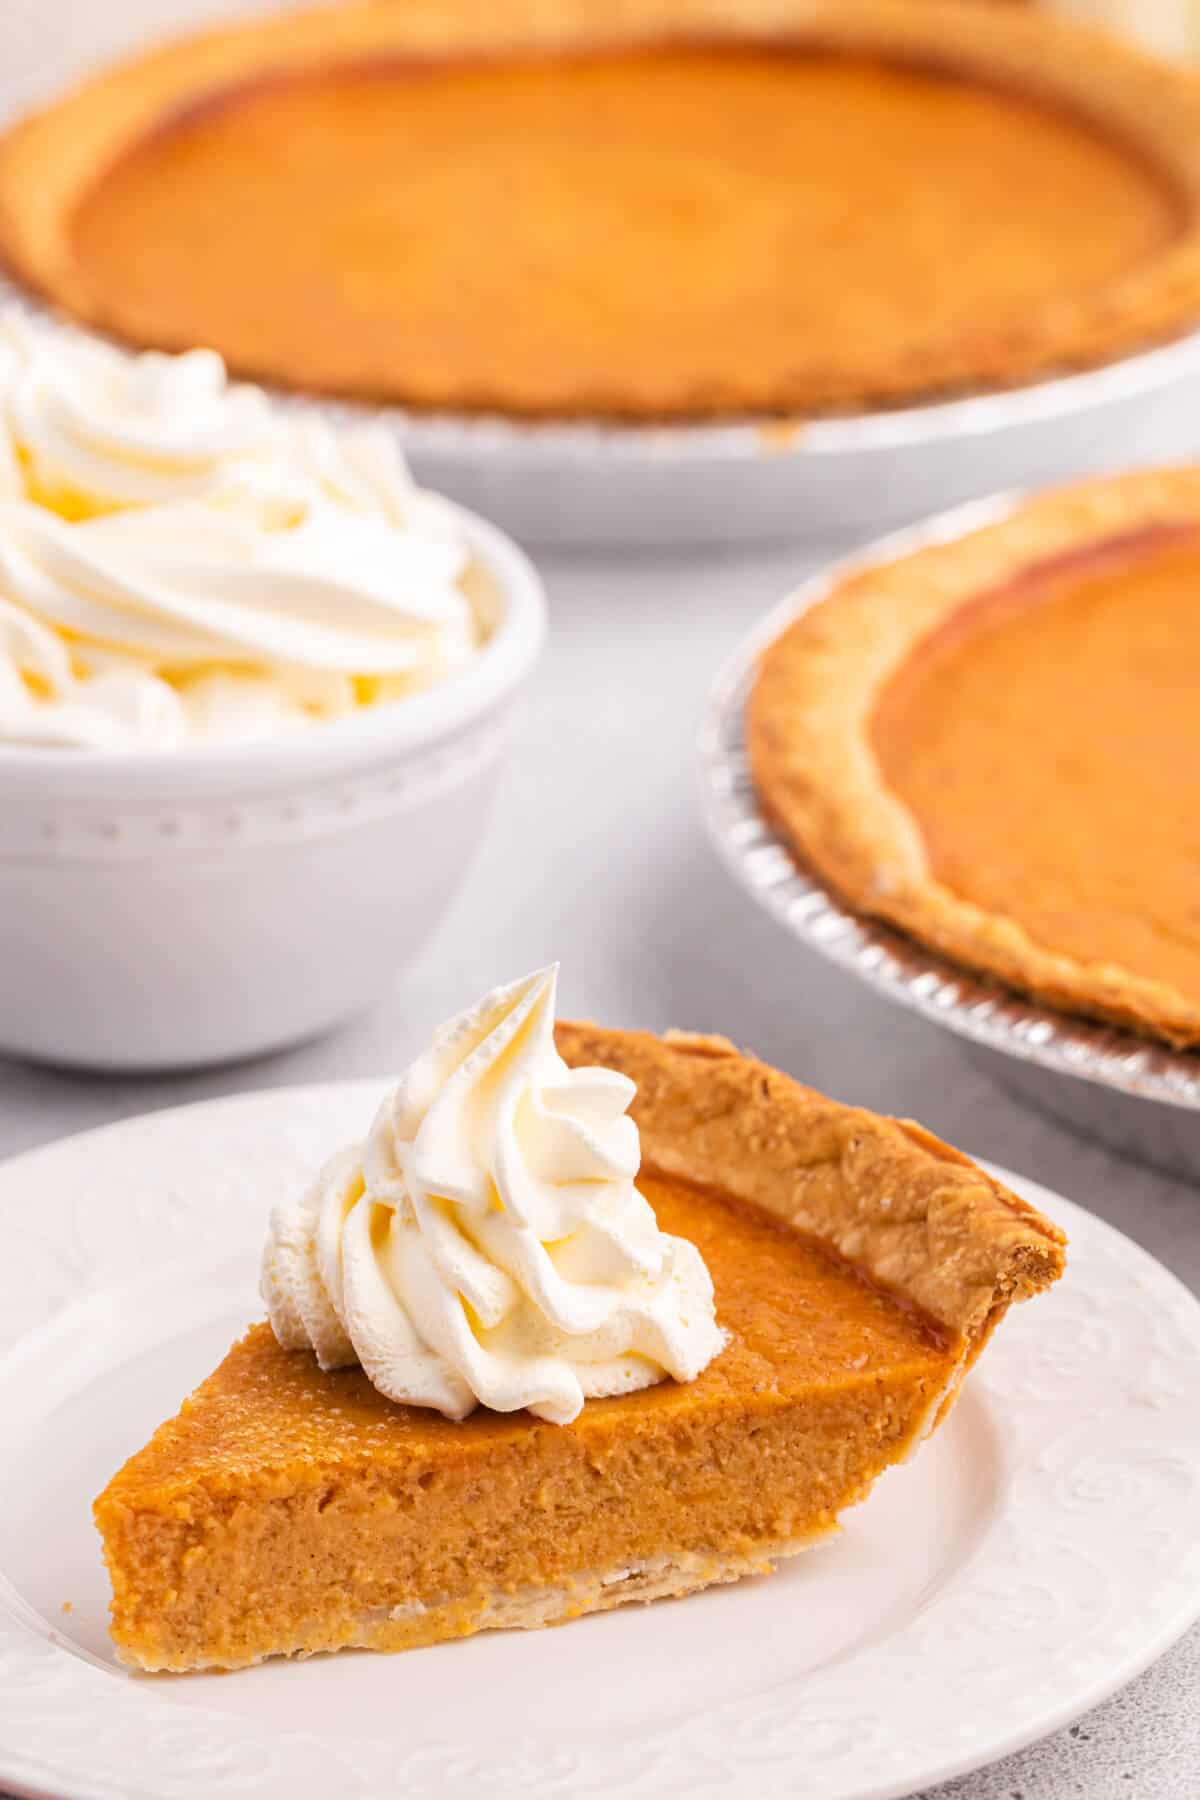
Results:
<point x="1137" y="1097"/>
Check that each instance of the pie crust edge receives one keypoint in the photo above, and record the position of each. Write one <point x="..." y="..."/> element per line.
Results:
<point x="820" y="785"/>
<point x="912" y="1214"/>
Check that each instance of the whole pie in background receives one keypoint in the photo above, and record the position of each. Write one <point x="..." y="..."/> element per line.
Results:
<point x="667" y="209"/>
<point x="993" y="744"/>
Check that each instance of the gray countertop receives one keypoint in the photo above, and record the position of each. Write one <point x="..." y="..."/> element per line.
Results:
<point x="595" y="855"/>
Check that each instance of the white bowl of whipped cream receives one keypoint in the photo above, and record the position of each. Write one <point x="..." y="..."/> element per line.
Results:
<point x="254" y="687"/>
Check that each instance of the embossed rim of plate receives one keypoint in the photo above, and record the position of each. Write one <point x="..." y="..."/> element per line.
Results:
<point x="1088" y="1570"/>
<point x="895" y="965"/>
<point x="739" y="441"/>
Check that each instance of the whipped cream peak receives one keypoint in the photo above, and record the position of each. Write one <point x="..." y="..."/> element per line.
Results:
<point x="192" y="565"/>
<point x="488" y="1244"/>
<point x="97" y="428"/>
<point x="359" y="469"/>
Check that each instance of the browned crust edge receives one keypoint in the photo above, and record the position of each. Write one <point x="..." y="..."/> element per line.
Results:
<point x="913" y="1214"/>
<point x="807" y="727"/>
<point x="48" y="159"/>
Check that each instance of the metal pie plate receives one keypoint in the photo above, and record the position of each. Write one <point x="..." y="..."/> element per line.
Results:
<point x="1139" y="1098"/>
<point x="824" y="482"/>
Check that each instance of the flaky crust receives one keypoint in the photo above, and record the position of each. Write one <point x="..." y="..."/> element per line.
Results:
<point x="808" y="734"/>
<point x="913" y="1215"/>
<point x="47" y="161"/>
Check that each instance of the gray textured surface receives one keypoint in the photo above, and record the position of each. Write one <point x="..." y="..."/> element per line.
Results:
<point x="595" y="855"/>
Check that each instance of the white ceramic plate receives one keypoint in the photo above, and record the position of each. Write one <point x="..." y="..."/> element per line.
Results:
<point x="1041" y="1550"/>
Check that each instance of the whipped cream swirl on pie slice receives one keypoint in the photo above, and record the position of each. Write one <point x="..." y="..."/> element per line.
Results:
<point x="488" y="1244"/>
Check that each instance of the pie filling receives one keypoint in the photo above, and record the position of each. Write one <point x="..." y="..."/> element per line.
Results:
<point x="673" y="228"/>
<point x="1047" y="742"/>
<point x="413" y="1526"/>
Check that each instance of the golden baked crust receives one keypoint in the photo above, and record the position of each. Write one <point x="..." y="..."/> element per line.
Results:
<point x="915" y="1216"/>
<point x="858" y="1266"/>
<point x="48" y="163"/>
<point x="817" y="772"/>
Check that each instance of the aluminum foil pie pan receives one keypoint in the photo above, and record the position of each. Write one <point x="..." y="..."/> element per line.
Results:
<point x="1138" y="1098"/>
<point x="824" y="482"/>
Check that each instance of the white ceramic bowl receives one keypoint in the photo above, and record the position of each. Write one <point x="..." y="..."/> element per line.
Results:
<point x="187" y="907"/>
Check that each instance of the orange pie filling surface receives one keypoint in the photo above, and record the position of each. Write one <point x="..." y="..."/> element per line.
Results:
<point x="410" y="1521"/>
<point x="680" y="229"/>
<point x="1047" y="742"/>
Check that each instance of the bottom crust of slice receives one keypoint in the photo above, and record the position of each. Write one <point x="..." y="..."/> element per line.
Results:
<point x="411" y="1626"/>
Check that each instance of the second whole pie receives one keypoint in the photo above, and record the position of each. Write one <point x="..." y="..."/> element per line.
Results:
<point x="991" y="743"/>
